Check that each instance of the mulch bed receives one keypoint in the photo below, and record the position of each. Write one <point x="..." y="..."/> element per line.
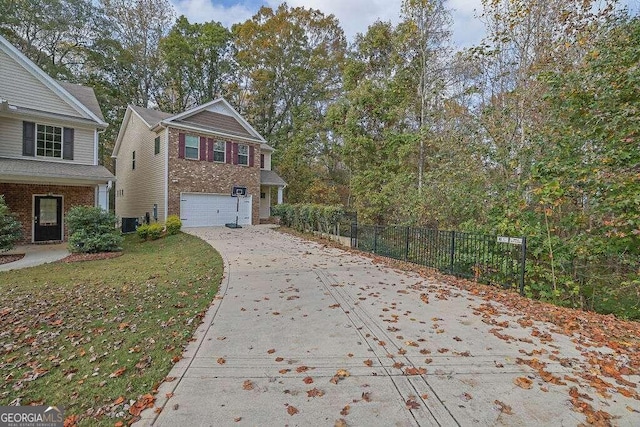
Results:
<point x="7" y="258"/>
<point x="90" y="257"/>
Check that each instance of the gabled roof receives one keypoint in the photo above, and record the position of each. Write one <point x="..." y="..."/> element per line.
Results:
<point x="217" y="116"/>
<point x="85" y="95"/>
<point x="38" y="171"/>
<point x="271" y="178"/>
<point x="63" y="93"/>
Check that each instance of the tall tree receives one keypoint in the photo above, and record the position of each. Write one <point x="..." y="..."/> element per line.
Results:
<point x="288" y="73"/>
<point x="138" y="26"/>
<point x="55" y="34"/>
<point x="198" y="64"/>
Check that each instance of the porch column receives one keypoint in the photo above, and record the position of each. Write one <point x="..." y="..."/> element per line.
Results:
<point x="280" y="195"/>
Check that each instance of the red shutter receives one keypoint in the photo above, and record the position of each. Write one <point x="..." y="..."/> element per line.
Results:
<point x="181" y="146"/>
<point x="209" y="150"/>
<point x="228" y="156"/>
<point x="203" y="148"/>
<point x="251" y="155"/>
<point x="235" y="153"/>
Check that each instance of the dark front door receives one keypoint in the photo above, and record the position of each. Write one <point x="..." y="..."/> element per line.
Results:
<point x="47" y="218"/>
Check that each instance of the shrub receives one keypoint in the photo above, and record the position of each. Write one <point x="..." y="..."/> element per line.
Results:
<point x="92" y="229"/>
<point x="173" y="224"/>
<point x="155" y="231"/>
<point x="10" y="228"/>
<point x="143" y="231"/>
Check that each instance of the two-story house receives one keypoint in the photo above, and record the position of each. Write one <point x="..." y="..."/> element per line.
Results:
<point x="48" y="147"/>
<point x="188" y="164"/>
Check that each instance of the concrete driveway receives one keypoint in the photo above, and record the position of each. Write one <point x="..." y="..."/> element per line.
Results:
<point x="307" y="335"/>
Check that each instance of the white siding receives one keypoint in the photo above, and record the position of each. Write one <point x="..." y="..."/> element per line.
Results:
<point x="11" y="141"/>
<point x="21" y="88"/>
<point x="267" y="160"/>
<point x="265" y="204"/>
<point x="138" y="190"/>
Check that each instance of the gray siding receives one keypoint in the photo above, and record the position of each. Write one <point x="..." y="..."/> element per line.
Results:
<point x="21" y="88"/>
<point x="138" y="190"/>
<point x="11" y="141"/>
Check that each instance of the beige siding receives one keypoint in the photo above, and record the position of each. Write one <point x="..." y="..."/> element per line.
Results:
<point x="21" y="88"/>
<point x="265" y="204"/>
<point x="11" y="141"/>
<point x="138" y="190"/>
<point x="267" y="160"/>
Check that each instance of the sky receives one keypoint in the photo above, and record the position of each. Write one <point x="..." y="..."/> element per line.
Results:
<point x="355" y="16"/>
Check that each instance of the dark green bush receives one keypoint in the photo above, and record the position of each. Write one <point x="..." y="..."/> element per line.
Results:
<point x="92" y="229"/>
<point x="173" y="224"/>
<point x="10" y="228"/>
<point x="305" y="217"/>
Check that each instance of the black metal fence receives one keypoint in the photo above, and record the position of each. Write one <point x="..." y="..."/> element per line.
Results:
<point x="487" y="259"/>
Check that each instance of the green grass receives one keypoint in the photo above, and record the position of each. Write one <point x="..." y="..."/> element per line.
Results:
<point x="67" y="329"/>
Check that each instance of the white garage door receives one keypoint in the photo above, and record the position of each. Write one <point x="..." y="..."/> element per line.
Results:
<point x="205" y="210"/>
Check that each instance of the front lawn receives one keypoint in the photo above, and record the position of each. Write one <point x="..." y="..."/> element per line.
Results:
<point x="95" y="336"/>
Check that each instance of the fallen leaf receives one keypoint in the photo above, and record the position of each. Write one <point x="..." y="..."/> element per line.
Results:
<point x="504" y="408"/>
<point x="118" y="400"/>
<point x="301" y="369"/>
<point x="273" y="350"/>
<point x="345" y="410"/>
<point x="466" y="397"/>
<point x="415" y="371"/>
<point x="169" y="379"/>
<point x="238" y="419"/>
<point x="118" y="372"/>
<point x="340" y="423"/>
<point x="292" y="410"/>
<point x="314" y="392"/>
<point x="279" y="359"/>
<point x="169" y="395"/>
<point x="523" y="382"/>
<point x="118" y="424"/>
<point x="308" y="380"/>
<point x="368" y="362"/>
<point x="221" y="361"/>
<point x="247" y="385"/>
<point x="284" y="371"/>
<point x="366" y="396"/>
<point x="412" y="404"/>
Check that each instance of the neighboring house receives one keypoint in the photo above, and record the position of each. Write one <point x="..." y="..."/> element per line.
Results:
<point x="187" y="164"/>
<point x="48" y="147"/>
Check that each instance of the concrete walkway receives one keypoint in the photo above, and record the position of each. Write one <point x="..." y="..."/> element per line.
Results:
<point x="35" y="255"/>
<point x="306" y="335"/>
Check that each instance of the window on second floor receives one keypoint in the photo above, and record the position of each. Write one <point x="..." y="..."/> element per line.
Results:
<point x="261" y="161"/>
<point x="49" y="141"/>
<point x="219" y="151"/>
<point x="243" y="154"/>
<point x="192" y="146"/>
<point x="133" y="160"/>
<point x="156" y="147"/>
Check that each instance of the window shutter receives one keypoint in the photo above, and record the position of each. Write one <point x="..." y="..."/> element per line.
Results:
<point x="210" y="150"/>
<point x="261" y="161"/>
<point x="228" y="154"/>
<point x="251" y="155"/>
<point x="181" y="146"/>
<point x="203" y="148"/>
<point x="28" y="139"/>
<point x="235" y="153"/>
<point x="67" y="143"/>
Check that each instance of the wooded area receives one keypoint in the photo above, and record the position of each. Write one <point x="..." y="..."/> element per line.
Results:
<point x="533" y="132"/>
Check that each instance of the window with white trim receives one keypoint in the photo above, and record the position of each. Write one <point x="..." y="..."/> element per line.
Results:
<point x="243" y="154"/>
<point x="191" y="147"/>
<point x="219" y="151"/>
<point x="49" y="141"/>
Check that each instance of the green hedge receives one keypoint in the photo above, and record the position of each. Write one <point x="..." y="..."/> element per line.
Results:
<point x="309" y="217"/>
<point x="92" y="229"/>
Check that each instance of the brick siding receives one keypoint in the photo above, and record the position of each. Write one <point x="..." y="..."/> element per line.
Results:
<point x="200" y="176"/>
<point x="19" y="199"/>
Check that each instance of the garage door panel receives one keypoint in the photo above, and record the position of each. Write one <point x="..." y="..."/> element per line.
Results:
<point x="206" y="210"/>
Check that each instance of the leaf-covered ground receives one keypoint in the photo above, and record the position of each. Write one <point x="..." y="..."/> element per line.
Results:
<point x="97" y="337"/>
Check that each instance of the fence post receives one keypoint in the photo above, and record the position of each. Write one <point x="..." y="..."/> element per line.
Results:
<point x="523" y="260"/>
<point x="453" y="251"/>
<point x="406" y="248"/>
<point x="375" y="239"/>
